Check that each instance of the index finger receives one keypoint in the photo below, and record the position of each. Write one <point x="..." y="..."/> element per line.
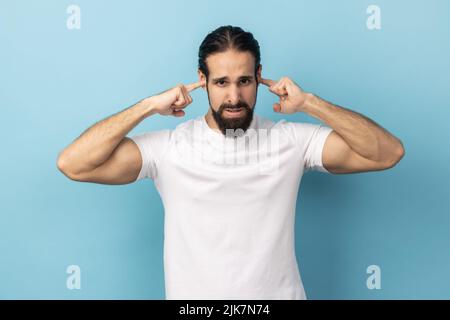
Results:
<point x="192" y="86"/>
<point x="267" y="82"/>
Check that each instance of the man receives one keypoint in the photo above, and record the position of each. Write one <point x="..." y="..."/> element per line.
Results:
<point x="229" y="225"/>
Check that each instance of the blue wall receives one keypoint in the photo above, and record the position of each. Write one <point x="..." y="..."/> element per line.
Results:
<point x="55" y="82"/>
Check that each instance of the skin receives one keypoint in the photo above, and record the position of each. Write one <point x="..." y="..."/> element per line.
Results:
<point x="103" y="153"/>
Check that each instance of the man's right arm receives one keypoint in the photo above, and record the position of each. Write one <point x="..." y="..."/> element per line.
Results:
<point x="103" y="153"/>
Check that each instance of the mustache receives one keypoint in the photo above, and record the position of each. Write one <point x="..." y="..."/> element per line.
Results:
<point x="240" y="104"/>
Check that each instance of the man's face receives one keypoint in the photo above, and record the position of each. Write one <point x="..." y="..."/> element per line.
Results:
<point x="232" y="89"/>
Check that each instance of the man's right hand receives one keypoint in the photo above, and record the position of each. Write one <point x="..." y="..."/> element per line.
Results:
<point x="103" y="153"/>
<point x="172" y="101"/>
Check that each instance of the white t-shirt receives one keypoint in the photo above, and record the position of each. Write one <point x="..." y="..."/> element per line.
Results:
<point x="230" y="206"/>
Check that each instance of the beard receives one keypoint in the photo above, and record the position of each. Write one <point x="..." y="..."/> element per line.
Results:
<point x="243" y="122"/>
<point x="232" y="124"/>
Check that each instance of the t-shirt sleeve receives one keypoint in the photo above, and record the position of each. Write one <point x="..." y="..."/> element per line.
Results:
<point x="152" y="146"/>
<point x="310" y="138"/>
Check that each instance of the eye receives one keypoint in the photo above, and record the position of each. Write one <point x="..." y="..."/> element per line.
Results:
<point x="245" y="81"/>
<point x="220" y="82"/>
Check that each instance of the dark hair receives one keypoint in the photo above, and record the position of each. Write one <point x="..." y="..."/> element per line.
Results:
<point x="224" y="38"/>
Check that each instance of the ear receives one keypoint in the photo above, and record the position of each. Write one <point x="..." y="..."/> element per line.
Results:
<point x="258" y="73"/>
<point x="201" y="77"/>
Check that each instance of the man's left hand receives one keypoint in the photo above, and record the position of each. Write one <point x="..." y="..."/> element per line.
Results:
<point x="292" y="97"/>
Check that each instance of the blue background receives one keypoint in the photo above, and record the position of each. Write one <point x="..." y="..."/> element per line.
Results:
<point x="55" y="82"/>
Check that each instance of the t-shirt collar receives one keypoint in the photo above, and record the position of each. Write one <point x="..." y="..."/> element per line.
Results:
<point x="216" y="134"/>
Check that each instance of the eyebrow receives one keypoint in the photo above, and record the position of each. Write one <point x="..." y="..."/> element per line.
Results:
<point x="226" y="78"/>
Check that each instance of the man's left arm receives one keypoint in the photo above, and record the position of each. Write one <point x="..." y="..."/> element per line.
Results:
<point x="356" y="144"/>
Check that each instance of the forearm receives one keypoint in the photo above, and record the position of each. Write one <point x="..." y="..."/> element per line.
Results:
<point x="95" y="145"/>
<point x="362" y="134"/>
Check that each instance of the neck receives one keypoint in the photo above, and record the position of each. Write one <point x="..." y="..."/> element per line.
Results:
<point x="210" y="120"/>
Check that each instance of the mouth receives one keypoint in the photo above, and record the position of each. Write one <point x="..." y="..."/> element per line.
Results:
<point x="234" y="112"/>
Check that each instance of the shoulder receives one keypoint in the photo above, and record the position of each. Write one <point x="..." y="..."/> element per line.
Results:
<point x="263" y="123"/>
<point x="296" y="126"/>
<point x="302" y="129"/>
<point x="152" y="137"/>
<point x="303" y="134"/>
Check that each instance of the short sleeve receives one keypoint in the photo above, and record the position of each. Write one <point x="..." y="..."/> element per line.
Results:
<point x="310" y="138"/>
<point x="152" y="146"/>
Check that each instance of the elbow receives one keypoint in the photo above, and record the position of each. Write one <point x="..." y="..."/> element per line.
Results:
<point x="63" y="165"/>
<point x="399" y="152"/>
<point x="397" y="155"/>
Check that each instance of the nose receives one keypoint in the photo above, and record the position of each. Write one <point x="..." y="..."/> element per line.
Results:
<point x="233" y="95"/>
